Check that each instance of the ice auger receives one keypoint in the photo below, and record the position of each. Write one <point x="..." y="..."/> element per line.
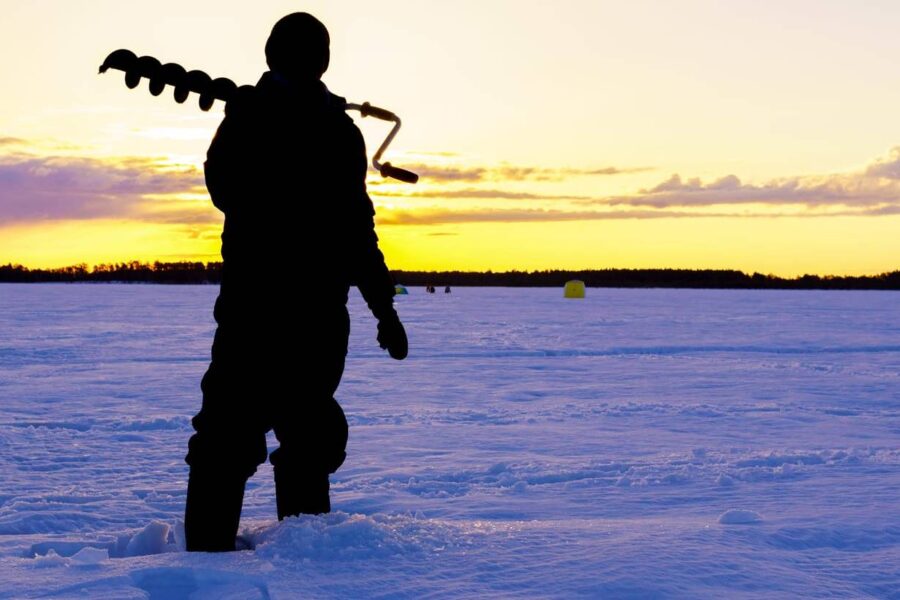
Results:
<point x="222" y="88"/>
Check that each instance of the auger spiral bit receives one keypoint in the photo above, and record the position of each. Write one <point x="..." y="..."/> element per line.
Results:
<point x="173" y="74"/>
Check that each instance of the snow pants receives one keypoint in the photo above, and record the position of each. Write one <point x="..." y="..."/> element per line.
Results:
<point x="257" y="381"/>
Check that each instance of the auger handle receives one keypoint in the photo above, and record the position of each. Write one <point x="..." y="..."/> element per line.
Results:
<point x="388" y="170"/>
<point x="367" y="110"/>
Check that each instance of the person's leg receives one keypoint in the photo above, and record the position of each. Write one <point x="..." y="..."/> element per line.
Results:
<point x="311" y="427"/>
<point x="312" y="446"/>
<point x="229" y="443"/>
<point x="212" y="512"/>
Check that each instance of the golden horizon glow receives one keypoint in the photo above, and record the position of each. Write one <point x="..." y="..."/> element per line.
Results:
<point x="584" y="135"/>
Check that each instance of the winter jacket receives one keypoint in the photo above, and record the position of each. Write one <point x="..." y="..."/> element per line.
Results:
<point x="287" y="166"/>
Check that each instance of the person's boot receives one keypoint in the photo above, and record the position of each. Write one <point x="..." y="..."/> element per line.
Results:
<point x="213" y="511"/>
<point x="301" y="493"/>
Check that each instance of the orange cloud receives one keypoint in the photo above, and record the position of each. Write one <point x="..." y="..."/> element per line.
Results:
<point x="443" y="217"/>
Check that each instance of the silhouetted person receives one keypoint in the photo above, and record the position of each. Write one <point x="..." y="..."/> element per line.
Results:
<point x="287" y="167"/>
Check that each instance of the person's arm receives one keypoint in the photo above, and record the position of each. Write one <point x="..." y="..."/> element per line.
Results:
<point x="371" y="273"/>
<point x="225" y="159"/>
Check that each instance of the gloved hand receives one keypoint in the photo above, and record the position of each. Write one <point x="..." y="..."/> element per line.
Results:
<point x="392" y="336"/>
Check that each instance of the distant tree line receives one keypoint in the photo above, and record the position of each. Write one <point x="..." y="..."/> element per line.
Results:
<point x="639" y="278"/>
<point x="126" y="272"/>
<point x="198" y="272"/>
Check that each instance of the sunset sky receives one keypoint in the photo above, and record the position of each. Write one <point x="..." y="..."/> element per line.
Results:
<point x="761" y="136"/>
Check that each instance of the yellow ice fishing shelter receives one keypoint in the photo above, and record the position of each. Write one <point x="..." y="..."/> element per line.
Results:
<point x="400" y="290"/>
<point x="574" y="289"/>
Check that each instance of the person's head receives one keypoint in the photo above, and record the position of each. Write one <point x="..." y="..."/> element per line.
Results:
<point x="298" y="47"/>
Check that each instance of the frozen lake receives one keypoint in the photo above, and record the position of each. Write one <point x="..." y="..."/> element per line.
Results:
<point x="637" y="443"/>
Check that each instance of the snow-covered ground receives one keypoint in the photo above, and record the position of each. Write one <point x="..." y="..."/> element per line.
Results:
<point x="638" y="443"/>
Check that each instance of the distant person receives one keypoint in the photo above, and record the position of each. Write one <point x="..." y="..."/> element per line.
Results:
<point x="447" y="290"/>
<point x="287" y="166"/>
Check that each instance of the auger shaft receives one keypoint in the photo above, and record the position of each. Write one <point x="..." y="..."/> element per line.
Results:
<point x="221" y="88"/>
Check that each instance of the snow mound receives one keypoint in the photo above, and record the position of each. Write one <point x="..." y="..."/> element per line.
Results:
<point x="156" y="538"/>
<point x="739" y="516"/>
<point x="153" y="539"/>
<point x="87" y="555"/>
<point x="354" y="536"/>
<point x="51" y="559"/>
<point x="90" y="556"/>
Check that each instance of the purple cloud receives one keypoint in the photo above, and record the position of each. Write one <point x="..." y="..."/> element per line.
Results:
<point x="476" y="193"/>
<point x="36" y="188"/>
<point x="51" y="188"/>
<point x="836" y="190"/>
<point x="888" y="169"/>
<point x="511" y="172"/>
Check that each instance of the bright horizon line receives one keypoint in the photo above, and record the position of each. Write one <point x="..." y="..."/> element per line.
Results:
<point x="92" y="266"/>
